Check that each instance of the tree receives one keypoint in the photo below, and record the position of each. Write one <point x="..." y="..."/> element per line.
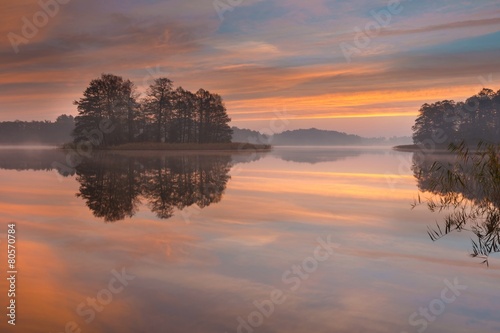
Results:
<point x="481" y="123"/>
<point x="435" y="122"/>
<point x="107" y="98"/>
<point x="37" y="132"/>
<point x="202" y="109"/>
<point x="474" y="120"/>
<point x="131" y="114"/>
<point x="158" y="106"/>
<point x="218" y="127"/>
<point x="212" y="118"/>
<point x="164" y="114"/>
<point x="184" y="111"/>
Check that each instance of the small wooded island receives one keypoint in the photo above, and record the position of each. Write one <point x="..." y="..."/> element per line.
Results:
<point x="111" y="116"/>
<point x="445" y="123"/>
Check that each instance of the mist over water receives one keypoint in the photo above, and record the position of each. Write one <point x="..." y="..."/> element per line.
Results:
<point x="209" y="238"/>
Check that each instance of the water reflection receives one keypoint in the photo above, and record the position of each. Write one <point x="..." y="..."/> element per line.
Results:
<point x="33" y="159"/>
<point x="466" y="186"/>
<point x="203" y="276"/>
<point x="314" y="155"/>
<point x="113" y="186"/>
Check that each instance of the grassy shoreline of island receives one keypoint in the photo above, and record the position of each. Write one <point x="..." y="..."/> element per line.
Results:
<point x="157" y="146"/>
<point x="436" y="149"/>
<point x="420" y="148"/>
<point x="408" y="148"/>
<point x="443" y="148"/>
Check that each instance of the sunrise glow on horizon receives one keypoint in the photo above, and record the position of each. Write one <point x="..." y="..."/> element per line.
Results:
<point x="362" y="67"/>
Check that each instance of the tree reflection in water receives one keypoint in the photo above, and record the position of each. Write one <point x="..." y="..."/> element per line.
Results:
<point x="465" y="185"/>
<point x="113" y="186"/>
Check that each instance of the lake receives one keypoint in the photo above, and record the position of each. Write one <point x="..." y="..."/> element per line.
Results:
<point x="300" y="239"/>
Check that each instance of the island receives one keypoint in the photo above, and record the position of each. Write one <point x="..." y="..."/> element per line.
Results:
<point x="447" y="123"/>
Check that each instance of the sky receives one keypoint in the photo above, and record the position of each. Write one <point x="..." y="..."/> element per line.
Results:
<point x="357" y="66"/>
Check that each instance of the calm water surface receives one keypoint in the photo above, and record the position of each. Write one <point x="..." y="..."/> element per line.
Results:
<point x="295" y="240"/>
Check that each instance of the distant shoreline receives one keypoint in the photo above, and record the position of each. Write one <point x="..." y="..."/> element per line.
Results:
<point x="155" y="146"/>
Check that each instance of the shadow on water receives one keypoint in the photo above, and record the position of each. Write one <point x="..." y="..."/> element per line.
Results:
<point x="465" y="185"/>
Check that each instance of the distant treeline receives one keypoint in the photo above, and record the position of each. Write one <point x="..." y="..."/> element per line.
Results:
<point x="474" y="120"/>
<point x="314" y="137"/>
<point x="111" y="105"/>
<point x="37" y="132"/>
